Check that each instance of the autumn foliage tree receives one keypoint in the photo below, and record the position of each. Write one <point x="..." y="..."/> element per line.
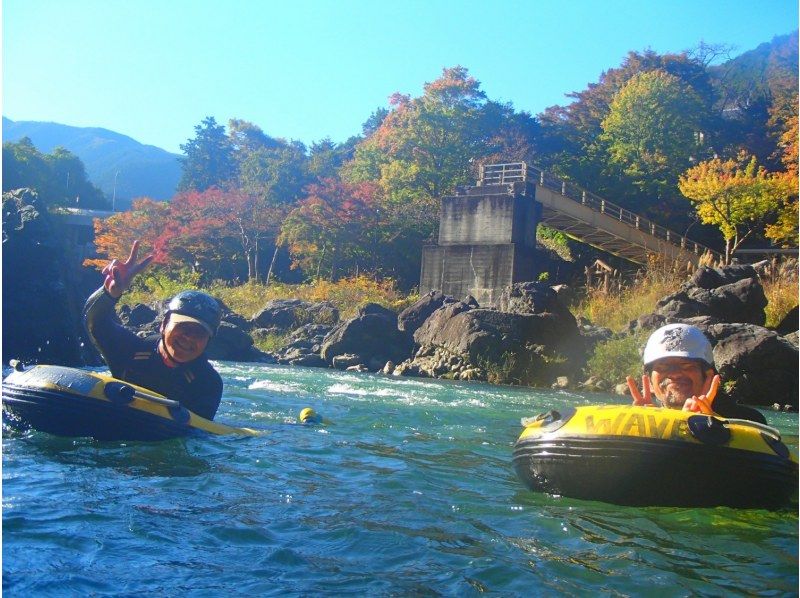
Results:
<point x="114" y="236"/>
<point x="736" y="196"/>
<point x="426" y="146"/>
<point x="337" y="229"/>
<point x="218" y="231"/>
<point x="652" y="130"/>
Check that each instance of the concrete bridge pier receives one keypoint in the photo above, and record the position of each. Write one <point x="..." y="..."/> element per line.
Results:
<point x="487" y="241"/>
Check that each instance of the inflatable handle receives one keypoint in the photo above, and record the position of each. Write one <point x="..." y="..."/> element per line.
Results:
<point x="170" y="403"/>
<point x="550" y="421"/>
<point x="763" y="428"/>
<point x="708" y="429"/>
<point x="118" y="393"/>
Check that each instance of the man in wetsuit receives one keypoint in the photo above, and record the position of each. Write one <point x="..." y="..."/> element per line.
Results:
<point x="679" y="369"/>
<point x="172" y="362"/>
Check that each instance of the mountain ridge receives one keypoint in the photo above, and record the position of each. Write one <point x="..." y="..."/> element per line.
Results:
<point x="120" y="166"/>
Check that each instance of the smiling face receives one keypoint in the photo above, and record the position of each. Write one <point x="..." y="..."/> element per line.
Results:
<point x="675" y="379"/>
<point x="184" y="341"/>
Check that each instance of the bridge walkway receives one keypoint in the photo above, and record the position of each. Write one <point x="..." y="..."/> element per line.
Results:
<point x="595" y="221"/>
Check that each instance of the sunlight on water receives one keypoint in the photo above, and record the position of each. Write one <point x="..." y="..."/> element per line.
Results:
<point x="408" y="490"/>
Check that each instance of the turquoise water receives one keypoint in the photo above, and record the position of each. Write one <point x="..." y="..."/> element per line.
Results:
<point x="409" y="491"/>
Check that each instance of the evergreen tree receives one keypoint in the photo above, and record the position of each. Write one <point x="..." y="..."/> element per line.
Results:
<point x="208" y="160"/>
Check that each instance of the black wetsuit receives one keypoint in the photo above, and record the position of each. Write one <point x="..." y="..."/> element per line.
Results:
<point x="196" y="385"/>
<point x="725" y="406"/>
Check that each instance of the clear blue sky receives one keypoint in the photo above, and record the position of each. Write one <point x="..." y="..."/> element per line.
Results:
<point x="153" y="69"/>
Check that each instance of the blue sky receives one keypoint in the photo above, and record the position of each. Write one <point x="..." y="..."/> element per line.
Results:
<point x="300" y="69"/>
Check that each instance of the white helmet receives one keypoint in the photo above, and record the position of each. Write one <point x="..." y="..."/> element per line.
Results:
<point x="678" y="340"/>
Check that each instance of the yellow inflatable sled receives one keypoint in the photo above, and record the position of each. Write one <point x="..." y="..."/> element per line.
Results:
<point x="71" y="402"/>
<point x="655" y="456"/>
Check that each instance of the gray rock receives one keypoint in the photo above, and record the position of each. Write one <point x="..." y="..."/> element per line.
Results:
<point x="237" y="320"/>
<point x="471" y="301"/>
<point x="561" y="383"/>
<point x="413" y="316"/>
<point x="564" y="293"/>
<point x="594" y="384"/>
<point x="758" y="366"/>
<point x="286" y="314"/>
<point x="712" y="278"/>
<point x="345" y="360"/>
<point x="138" y="315"/>
<point x="531" y="298"/>
<point x="647" y="323"/>
<point x="526" y="348"/>
<point x="739" y="301"/>
<point x="309" y="360"/>
<point x="790" y="322"/>
<point x="311" y="332"/>
<point x="372" y="336"/>
<point x="793" y="337"/>
<point x="230" y="343"/>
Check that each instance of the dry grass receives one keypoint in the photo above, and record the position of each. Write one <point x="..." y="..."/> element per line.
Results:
<point x="347" y="294"/>
<point x="781" y="288"/>
<point x="617" y="308"/>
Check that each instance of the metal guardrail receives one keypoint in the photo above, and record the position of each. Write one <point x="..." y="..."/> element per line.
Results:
<point x="515" y="172"/>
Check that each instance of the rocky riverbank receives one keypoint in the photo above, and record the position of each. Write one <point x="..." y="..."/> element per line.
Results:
<point x="531" y="338"/>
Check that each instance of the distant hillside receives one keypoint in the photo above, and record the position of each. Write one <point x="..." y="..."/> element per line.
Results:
<point x="140" y="170"/>
<point x="763" y="74"/>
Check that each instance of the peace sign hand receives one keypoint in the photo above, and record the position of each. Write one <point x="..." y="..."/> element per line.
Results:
<point x="704" y="403"/>
<point x="118" y="275"/>
<point x="638" y="399"/>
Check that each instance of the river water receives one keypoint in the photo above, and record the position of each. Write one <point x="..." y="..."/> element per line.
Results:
<point x="408" y="491"/>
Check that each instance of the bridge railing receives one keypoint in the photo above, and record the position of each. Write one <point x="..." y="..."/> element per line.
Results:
<point x="499" y="174"/>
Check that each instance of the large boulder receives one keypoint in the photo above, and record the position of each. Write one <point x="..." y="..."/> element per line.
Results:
<point x="138" y="315"/>
<point x="286" y="314"/>
<point x="712" y="278"/>
<point x="413" y="316"/>
<point x="527" y="348"/>
<point x="233" y="344"/>
<point x="372" y="335"/>
<point x="532" y="298"/>
<point x="304" y="346"/>
<point x="758" y="366"/>
<point x="43" y="287"/>
<point x="790" y="322"/>
<point x="737" y="297"/>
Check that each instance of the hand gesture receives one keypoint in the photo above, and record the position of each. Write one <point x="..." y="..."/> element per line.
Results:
<point x="638" y="399"/>
<point x="118" y="275"/>
<point x="703" y="403"/>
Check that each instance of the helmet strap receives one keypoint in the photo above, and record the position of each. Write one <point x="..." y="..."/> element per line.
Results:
<point x="168" y="359"/>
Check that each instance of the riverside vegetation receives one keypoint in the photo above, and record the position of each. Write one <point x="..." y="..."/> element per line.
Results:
<point x="609" y="360"/>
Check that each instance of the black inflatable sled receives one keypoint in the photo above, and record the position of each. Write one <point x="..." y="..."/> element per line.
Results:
<point x="655" y="456"/>
<point x="71" y="402"/>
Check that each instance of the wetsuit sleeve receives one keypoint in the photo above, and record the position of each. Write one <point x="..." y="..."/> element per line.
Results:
<point x="725" y="406"/>
<point x="109" y="336"/>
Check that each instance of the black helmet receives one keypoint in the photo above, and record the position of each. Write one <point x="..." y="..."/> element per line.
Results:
<point x="196" y="306"/>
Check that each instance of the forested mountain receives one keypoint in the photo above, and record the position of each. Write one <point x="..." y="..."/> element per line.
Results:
<point x="757" y="91"/>
<point x="140" y="170"/>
